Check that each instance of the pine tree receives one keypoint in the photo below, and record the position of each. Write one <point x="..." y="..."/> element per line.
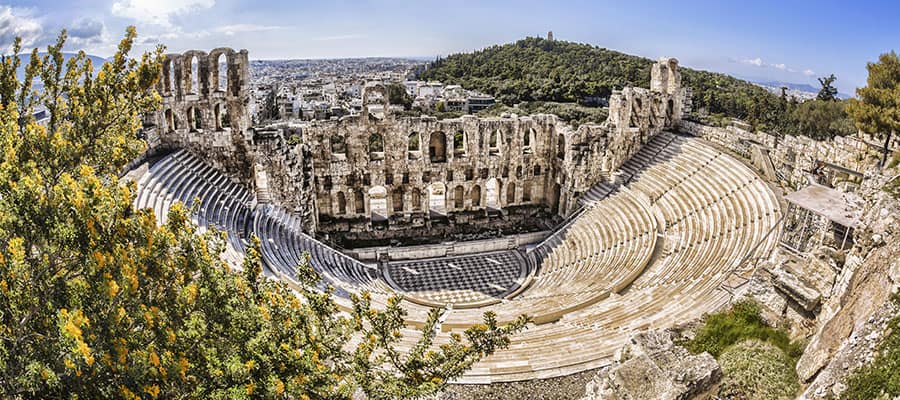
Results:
<point x="828" y="91"/>
<point x="877" y="111"/>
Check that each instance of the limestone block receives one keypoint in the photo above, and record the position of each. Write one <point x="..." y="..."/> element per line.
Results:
<point x="796" y="289"/>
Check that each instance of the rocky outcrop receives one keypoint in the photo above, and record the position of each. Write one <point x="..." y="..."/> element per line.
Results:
<point x="853" y="319"/>
<point x="796" y="289"/>
<point x="652" y="366"/>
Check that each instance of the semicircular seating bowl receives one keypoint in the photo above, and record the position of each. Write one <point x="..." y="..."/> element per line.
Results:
<point x="649" y="253"/>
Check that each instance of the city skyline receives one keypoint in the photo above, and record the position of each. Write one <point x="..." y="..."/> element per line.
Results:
<point x="790" y="42"/>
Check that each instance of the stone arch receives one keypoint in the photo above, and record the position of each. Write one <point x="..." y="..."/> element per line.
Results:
<point x="494" y="141"/>
<point x="475" y="196"/>
<point x="217" y="116"/>
<point x="670" y="111"/>
<point x="459" y="197"/>
<point x="459" y="142"/>
<point x="168" y="78"/>
<point x="554" y="198"/>
<point x="341" y="203"/>
<point x="437" y="147"/>
<point x="528" y="138"/>
<point x="378" y="209"/>
<point x="437" y="197"/>
<point x="170" y="120"/>
<point x="560" y="146"/>
<point x="194" y="119"/>
<point x="492" y="193"/>
<point x="397" y="199"/>
<point x="416" y="200"/>
<point x="359" y="202"/>
<point x="412" y="142"/>
<point x="338" y="145"/>
<point x="219" y="72"/>
<point x="526" y="191"/>
<point x="191" y="70"/>
<point x="375" y="87"/>
<point x="511" y="193"/>
<point x="376" y="143"/>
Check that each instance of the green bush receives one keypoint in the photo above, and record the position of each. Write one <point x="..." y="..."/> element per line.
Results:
<point x="741" y="322"/>
<point x="754" y="369"/>
<point x="880" y="379"/>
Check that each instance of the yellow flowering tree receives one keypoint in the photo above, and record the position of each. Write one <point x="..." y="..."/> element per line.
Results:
<point x="96" y="301"/>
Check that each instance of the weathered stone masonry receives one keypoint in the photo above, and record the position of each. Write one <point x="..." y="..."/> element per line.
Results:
<point x="365" y="178"/>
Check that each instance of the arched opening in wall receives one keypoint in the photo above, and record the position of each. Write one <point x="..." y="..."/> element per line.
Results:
<point x="378" y="208"/>
<point x="169" y="76"/>
<point x="475" y="196"/>
<point x="561" y="146"/>
<point x="637" y="105"/>
<point x="224" y="117"/>
<point x="220" y="72"/>
<point x="537" y="170"/>
<point x="170" y="120"/>
<point x="397" y="199"/>
<point x="459" y="143"/>
<point x="437" y="198"/>
<point x="416" y="200"/>
<point x="194" y="118"/>
<point x="527" y="138"/>
<point x="511" y="193"/>
<point x="492" y="193"/>
<point x="341" y="203"/>
<point x="190" y="65"/>
<point x="217" y="116"/>
<point x="359" y="202"/>
<point x="337" y="145"/>
<point x="412" y="143"/>
<point x="458" y="197"/>
<point x="519" y="172"/>
<point x="504" y="172"/>
<point x="437" y="147"/>
<point x="494" y="142"/>
<point x="376" y="144"/>
<point x="526" y="191"/>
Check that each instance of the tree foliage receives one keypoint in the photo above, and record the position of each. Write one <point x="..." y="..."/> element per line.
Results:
<point x="877" y="111"/>
<point x="828" y="92"/>
<point x="97" y="301"/>
<point x="818" y="119"/>
<point x="535" y="69"/>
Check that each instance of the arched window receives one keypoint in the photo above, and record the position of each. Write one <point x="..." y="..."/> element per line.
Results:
<point x="169" y="75"/>
<point x="458" y="197"/>
<point x="526" y="138"/>
<point x="359" y="202"/>
<point x="437" y="147"/>
<point x="537" y="170"/>
<point x="376" y="143"/>
<point x="526" y="191"/>
<point x="170" y="120"/>
<point x="492" y="193"/>
<point x="191" y="67"/>
<point x="475" y="196"/>
<point x="341" y="204"/>
<point x="561" y="146"/>
<point x="194" y="119"/>
<point x="494" y="142"/>
<point x="459" y="142"/>
<point x="217" y="116"/>
<point x="378" y="203"/>
<point x="413" y="142"/>
<point x="220" y="73"/>
<point x="416" y="199"/>
<point x="511" y="193"/>
<point x="397" y="199"/>
<point x="337" y="145"/>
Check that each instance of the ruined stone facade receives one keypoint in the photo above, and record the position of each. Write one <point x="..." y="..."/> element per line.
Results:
<point x="378" y="177"/>
<point x="205" y="99"/>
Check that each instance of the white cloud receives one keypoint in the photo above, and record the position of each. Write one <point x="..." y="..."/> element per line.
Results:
<point x="158" y="12"/>
<point x="809" y="72"/>
<point x="19" y="22"/>
<point x="754" y="61"/>
<point x="780" y="66"/>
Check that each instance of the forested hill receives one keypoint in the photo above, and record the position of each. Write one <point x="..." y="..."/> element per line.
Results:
<point x="536" y="69"/>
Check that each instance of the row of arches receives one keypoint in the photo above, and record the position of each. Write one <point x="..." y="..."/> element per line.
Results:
<point x="195" y="118"/>
<point x="437" y="144"/>
<point x="194" y="72"/>
<point x="438" y="198"/>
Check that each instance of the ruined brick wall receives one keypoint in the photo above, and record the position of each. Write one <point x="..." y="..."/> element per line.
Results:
<point x="792" y="158"/>
<point x="205" y="102"/>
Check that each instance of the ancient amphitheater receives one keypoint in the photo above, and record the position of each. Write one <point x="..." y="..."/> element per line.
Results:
<point x="631" y="224"/>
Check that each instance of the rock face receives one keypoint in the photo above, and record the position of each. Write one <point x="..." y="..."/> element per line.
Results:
<point x="651" y="366"/>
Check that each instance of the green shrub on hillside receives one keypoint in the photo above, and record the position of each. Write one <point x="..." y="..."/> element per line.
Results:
<point x="741" y="322"/>
<point x="754" y="369"/>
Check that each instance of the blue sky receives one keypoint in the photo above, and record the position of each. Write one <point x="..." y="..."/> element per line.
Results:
<point x="793" y="41"/>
